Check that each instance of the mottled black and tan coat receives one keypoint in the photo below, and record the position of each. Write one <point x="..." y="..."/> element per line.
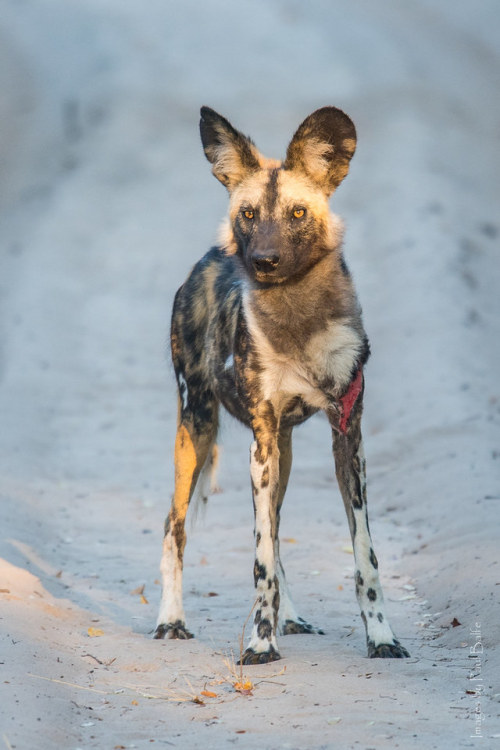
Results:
<point x="268" y="324"/>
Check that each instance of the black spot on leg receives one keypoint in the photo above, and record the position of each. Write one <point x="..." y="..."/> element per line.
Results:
<point x="357" y="498"/>
<point x="276" y="606"/>
<point x="359" y="579"/>
<point x="259" y="572"/>
<point x="354" y="527"/>
<point x="363" y="493"/>
<point x="264" y="629"/>
<point x="367" y="521"/>
<point x="380" y="617"/>
<point x="264" y="482"/>
<point x="373" y="559"/>
<point x="258" y="538"/>
<point x="372" y="595"/>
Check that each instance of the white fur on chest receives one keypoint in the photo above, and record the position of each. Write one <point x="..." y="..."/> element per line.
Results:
<point x="328" y="356"/>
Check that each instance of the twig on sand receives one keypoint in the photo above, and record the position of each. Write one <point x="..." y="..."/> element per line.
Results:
<point x="69" y="684"/>
<point x="236" y="677"/>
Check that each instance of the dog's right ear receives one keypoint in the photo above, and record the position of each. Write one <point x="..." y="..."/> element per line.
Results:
<point x="322" y="147"/>
<point x="231" y="153"/>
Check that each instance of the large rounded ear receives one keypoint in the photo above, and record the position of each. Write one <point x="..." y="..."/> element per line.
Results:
<point x="232" y="154"/>
<point x="322" y="147"/>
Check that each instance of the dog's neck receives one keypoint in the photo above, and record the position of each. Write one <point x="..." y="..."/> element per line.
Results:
<point x="288" y="314"/>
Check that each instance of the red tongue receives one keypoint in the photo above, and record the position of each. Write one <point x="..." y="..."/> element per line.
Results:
<point x="349" y="399"/>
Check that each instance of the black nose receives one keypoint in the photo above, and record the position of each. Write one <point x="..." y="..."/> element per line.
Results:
<point x="265" y="263"/>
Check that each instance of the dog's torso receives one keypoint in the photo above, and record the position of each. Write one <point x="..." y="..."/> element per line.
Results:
<point x="229" y="340"/>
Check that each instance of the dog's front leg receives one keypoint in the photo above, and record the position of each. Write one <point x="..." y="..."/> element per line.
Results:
<point x="264" y="470"/>
<point x="351" y="476"/>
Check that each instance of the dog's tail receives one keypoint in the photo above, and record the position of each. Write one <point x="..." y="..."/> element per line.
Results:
<point x="206" y="484"/>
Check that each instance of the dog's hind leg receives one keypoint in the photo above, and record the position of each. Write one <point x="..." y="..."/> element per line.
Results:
<point x="289" y="620"/>
<point x="350" y="470"/>
<point x="194" y="443"/>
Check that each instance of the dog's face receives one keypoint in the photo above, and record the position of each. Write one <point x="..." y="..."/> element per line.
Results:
<point x="279" y="221"/>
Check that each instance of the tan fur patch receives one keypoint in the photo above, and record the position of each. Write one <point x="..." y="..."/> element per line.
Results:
<point x="227" y="162"/>
<point x="266" y="163"/>
<point x="185" y="466"/>
<point x="250" y="192"/>
<point x="295" y="189"/>
<point x="210" y="275"/>
<point x="225" y="238"/>
<point x="314" y="152"/>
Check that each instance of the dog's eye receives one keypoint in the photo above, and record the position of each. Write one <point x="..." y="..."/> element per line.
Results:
<point x="299" y="213"/>
<point x="248" y="214"/>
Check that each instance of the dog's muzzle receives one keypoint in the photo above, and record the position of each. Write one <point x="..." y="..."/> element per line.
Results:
<point x="265" y="263"/>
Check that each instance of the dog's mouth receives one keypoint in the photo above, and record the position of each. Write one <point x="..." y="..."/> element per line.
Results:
<point x="268" y="278"/>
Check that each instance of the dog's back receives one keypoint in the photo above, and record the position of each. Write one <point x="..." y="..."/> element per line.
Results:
<point x="203" y="336"/>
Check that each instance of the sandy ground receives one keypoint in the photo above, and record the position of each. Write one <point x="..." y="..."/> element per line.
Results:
<point x="106" y="201"/>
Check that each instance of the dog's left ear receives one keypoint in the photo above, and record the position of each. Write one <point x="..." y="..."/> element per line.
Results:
<point x="322" y="147"/>
<point x="232" y="155"/>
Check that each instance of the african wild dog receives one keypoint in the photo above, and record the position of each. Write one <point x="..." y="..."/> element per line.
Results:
<point x="269" y="325"/>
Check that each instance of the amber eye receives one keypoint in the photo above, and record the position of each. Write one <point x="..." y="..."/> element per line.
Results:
<point x="248" y="214"/>
<point x="299" y="213"/>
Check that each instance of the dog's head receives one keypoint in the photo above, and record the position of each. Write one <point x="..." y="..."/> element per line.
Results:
<point x="279" y="221"/>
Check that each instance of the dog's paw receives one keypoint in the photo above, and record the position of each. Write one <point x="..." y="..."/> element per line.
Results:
<point x="292" y="627"/>
<point x="387" y="651"/>
<point x="262" y="657"/>
<point x="173" y="630"/>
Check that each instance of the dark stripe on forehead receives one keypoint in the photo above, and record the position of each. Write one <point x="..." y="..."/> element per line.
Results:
<point x="271" y="191"/>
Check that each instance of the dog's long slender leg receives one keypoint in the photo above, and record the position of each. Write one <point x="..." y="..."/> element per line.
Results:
<point x="351" y="476"/>
<point x="264" y="470"/>
<point x="192" y="446"/>
<point x="289" y="620"/>
<point x="287" y="611"/>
